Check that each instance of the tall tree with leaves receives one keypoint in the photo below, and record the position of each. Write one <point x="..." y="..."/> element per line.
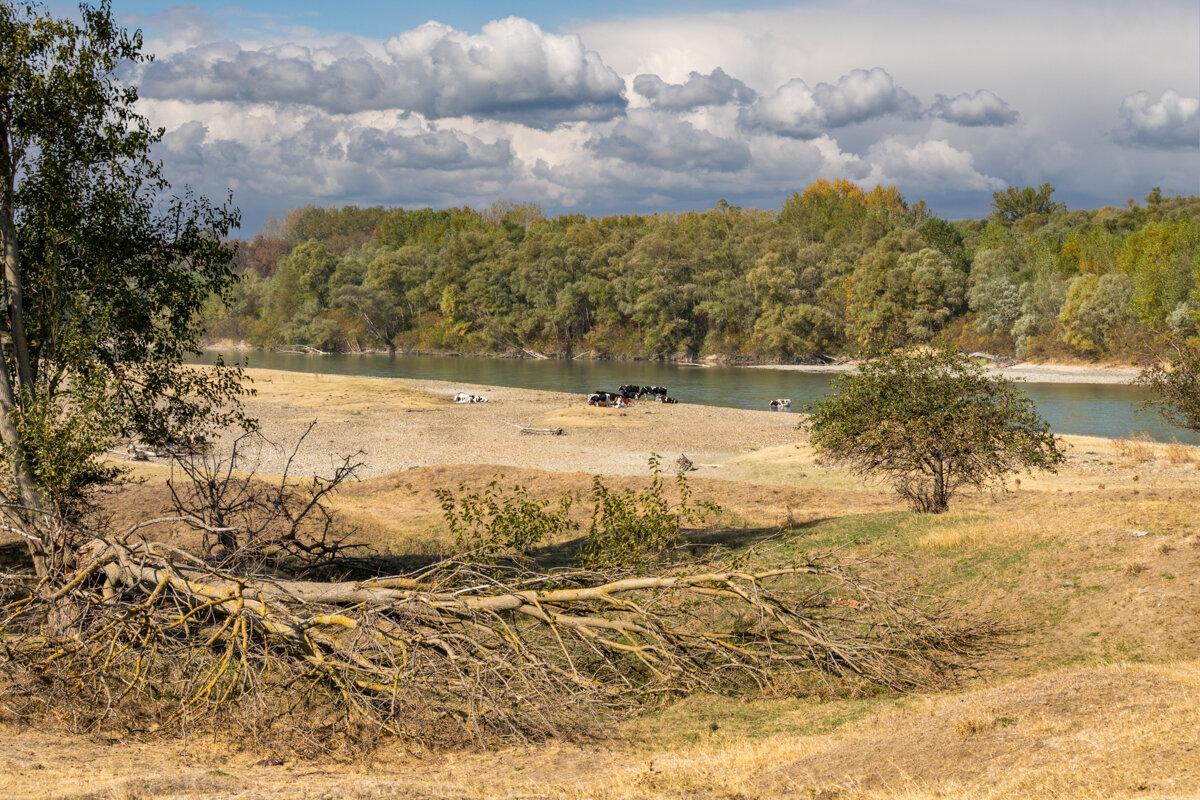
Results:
<point x="104" y="274"/>
<point x="1014" y="204"/>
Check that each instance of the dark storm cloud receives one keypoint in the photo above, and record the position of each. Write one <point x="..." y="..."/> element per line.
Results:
<point x="438" y="150"/>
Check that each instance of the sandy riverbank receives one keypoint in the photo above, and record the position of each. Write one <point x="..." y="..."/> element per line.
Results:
<point x="401" y="423"/>
<point x="1031" y="373"/>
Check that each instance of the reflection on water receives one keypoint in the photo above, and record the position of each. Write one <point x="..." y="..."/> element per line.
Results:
<point x="1089" y="409"/>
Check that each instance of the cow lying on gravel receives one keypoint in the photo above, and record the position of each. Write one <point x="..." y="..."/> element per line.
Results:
<point x="463" y="397"/>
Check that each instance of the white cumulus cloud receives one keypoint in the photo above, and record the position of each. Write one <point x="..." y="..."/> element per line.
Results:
<point x="932" y="164"/>
<point x="794" y="109"/>
<point x="307" y="153"/>
<point x="511" y="70"/>
<point x="974" y="109"/>
<point x="714" y="89"/>
<point x="1170" y="122"/>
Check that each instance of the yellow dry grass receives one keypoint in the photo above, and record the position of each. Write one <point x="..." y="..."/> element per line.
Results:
<point x="1098" y="564"/>
<point x="315" y="396"/>
<point x="1142" y="449"/>
<point x="579" y="417"/>
<point x="1118" y="731"/>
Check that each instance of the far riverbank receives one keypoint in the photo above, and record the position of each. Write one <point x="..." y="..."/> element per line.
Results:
<point x="1023" y="371"/>
<point x="1030" y="373"/>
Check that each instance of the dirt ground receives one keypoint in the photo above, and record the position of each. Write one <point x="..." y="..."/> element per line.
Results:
<point x="398" y="424"/>
<point x="1098" y="568"/>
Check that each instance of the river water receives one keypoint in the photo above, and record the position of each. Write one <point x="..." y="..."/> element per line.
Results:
<point x="1109" y="410"/>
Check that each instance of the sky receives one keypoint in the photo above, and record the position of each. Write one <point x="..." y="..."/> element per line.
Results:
<point x="666" y="105"/>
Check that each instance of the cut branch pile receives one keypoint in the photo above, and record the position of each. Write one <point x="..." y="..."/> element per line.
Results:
<point x="457" y="652"/>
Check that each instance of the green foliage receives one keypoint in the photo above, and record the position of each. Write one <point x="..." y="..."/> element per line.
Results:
<point x="105" y="271"/>
<point x="1095" y="308"/>
<point x="838" y="268"/>
<point x="633" y="530"/>
<point x="997" y="300"/>
<point x="499" y="521"/>
<point x="1041" y="301"/>
<point x="932" y="423"/>
<point x="1014" y="204"/>
<point x="1162" y="259"/>
<point x="629" y="529"/>
<point x="1173" y="379"/>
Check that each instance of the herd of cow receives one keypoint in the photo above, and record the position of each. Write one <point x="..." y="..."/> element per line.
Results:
<point x="624" y="395"/>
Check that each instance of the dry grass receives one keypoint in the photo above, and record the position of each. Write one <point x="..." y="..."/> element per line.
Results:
<point x="1142" y="449"/>
<point x="581" y="417"/>
<point x="1099" y="564"/>
<point x="327" y="396"/>
<point x="1107" y="732"/>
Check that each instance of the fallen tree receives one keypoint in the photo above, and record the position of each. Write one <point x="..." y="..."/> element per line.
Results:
<point x="488" y="646"/>
<point x="457" y="652"/>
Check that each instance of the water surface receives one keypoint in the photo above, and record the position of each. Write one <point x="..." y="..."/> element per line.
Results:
<point x="1109" y="410"/>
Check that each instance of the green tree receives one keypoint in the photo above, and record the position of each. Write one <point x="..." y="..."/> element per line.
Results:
<point x="931" y="422"/>
<point x="994" y="295"/>
<point x="1173" y="378"/>
<point x="1096" y="307"/>
<point x="1162" y="259"/>
<point x="104" y="274"/>
<point x="1014" y="204"/>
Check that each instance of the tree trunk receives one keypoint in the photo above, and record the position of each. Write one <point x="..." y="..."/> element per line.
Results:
<point x="31" y="518"/>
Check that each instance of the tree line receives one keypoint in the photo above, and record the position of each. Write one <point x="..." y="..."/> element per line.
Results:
<point x="836" y="268"/>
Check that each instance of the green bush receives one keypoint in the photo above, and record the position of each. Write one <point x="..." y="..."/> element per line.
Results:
<point x="932" y="423"/>
<point x="499" y="521"/>
<point x="635" y="529"/>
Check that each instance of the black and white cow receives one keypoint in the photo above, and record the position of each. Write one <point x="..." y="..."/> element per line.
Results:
<point x="781" y="403"/>
<point x="463" y="397"/>
<point x="601" y="398"/>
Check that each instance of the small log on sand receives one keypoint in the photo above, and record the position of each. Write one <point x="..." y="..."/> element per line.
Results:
<point x="541" y="431"/>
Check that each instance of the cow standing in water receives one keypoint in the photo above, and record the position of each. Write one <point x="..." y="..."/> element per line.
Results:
<point x="781" y="403"/>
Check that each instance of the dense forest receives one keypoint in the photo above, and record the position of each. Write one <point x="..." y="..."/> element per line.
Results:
<point x="836" y="268"/>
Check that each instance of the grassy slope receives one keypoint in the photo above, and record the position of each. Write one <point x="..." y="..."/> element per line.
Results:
<point x="1098" y="697"/>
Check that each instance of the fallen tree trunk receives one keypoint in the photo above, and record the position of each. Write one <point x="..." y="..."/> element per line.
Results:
<point x="459" y="650"/>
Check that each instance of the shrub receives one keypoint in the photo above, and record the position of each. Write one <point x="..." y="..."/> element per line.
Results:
<point x="500" y="521"/>
<point x="634" y="529"/>
<point x="932" y="423"/>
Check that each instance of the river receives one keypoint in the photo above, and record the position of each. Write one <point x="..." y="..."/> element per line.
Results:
<point x="1109" y="410"/>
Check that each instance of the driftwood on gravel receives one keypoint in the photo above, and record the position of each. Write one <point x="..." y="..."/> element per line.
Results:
<point x="540" y="431"/>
